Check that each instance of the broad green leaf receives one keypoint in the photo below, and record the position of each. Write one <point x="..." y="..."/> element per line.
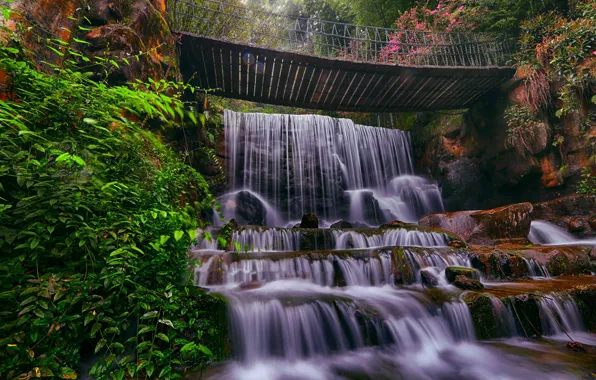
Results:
<point x="166" y="322"/>
<point x="100" y="345"/>
<point x="163" y="337"/>
<point x="205" y="350"/>
<point x="178" y="235"/>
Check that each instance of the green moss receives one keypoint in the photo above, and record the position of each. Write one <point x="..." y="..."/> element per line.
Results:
<point x="483" y="316"/>
<point x="402" y="270"/>
<point x="453" y="271"/>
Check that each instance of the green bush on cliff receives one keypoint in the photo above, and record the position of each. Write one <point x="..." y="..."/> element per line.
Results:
<point x="96" y="217"/>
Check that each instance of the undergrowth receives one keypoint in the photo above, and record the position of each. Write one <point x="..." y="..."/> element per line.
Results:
<point x="96" y="218"/>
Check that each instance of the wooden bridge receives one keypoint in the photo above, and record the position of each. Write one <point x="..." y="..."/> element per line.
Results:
<point x="249" y="54"/>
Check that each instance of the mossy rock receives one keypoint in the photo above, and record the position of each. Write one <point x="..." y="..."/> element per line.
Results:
<point x="585" y="297"/>
<point x="526" y="312"/>
<point x="560" y="264"/>
<point x="401" y="267"/>
<point x="466" y="283"/>
<point x="483" y="316"/>
<point x="453" y="271"/>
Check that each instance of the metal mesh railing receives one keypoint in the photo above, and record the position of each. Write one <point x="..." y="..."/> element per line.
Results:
<point x="253" y="27"/>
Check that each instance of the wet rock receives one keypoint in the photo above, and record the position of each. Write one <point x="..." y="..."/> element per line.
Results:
<point x="576" y="225"/>
<point x="526" y="312"/>
<point x="499" y="264"/>
<point x="395" y="224"/>
<point x="483" y="316"/>
<point x="563" y="261"/>
<point x="341" y="224"/>
<point x="248" y="209"/>
<point x="401" y="268"/>
<point x="459" y="223"/>
<point x="250" y="285"/>
<point x="486" y="227"/>
<point x="507" y="222"/>
<point x="452" y="272"/>
<point x="428" y="278"/>
<point x="466" y="283"/>
<point x="309" y="220"/>
<point x="457" y="244"/>
<point x="592" y="223"/>
<point x="585" y="297"/>
<point x="576" y="346"/>
<point x="574" y="205"/>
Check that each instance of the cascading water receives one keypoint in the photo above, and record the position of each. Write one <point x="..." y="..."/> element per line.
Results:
<point x="265" y="239"/>
<point x="536" y="269"/>
<point x="283" y="166"/>
<point x="546" y="233"/>
<point x="315" y="317"/>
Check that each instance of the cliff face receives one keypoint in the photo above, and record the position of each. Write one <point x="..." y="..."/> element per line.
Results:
<point x="132" y="30"/>
<point x="471" y="155"/>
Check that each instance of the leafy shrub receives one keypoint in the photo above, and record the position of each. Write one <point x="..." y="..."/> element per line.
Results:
<point x="96" y="217"/>
<point x="565" y="47"/>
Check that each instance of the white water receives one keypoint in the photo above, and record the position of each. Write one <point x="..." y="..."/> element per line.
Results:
<point x="363" y="269"/>
<point x="260" y="239"/>
<point x="546" y="233"/>
<point x="284" y="166"/>
<point x="392" y="237"/>
<point x="536" y="269"/>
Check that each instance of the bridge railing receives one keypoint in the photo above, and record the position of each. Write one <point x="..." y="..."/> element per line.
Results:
<point x="253" y="27"/>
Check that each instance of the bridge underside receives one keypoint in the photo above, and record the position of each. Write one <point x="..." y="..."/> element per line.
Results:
<point x="305" y="81"/>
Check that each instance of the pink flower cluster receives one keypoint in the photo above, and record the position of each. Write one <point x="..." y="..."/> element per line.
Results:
<point x="448" y="16"/>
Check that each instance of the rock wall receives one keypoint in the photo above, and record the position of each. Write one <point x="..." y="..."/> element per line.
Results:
<point x="466" y="152"/>
<point x="110" y="29"/>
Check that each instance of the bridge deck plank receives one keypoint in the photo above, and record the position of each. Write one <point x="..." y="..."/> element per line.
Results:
<point x="314" y="82"/>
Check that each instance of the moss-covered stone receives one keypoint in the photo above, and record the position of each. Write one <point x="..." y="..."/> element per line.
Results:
<point x="561" y="263"/>
<point x="466" y="283"/>
<point x="401" y="267"/>
<point x="483" y="316"/>
<point x="526" y="313"/>
<point x="585" y="296"/>
<point x="453" y="271"/>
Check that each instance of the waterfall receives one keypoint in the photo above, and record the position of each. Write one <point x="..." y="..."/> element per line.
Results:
<point x="559" y="314"/>
<point x="283" y="166"/>
<point x="362" y="270"/>
<point x="546" y="233"/>
<point x="393" y="237"/>
<point x="536" y="269"/>
<point x="267" y="239"/>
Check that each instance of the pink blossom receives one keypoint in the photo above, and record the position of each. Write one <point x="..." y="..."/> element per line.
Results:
<point x="594" y="52"/>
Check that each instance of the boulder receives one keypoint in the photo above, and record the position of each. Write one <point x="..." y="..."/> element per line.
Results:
<point x="575" y="205"/>
<point x="309" y="220"/>
<point x="507" y="222"/>
<point x="395" y="224"/>
<point x="466" y="283"/>
<point x="246" y="208"/>
<point x="576" y="225"/>
<point x="486" y="227"/>
<point x="341" y="224"/>
<point x="453" y="272"/>
<point x="460" y="223"/>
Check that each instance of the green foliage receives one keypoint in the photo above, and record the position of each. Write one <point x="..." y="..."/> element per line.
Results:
<point x="587" y="185"/>
<point x="507" y="15"/>
<point x="96" y="217"/>
<point x="563" y="46"/>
